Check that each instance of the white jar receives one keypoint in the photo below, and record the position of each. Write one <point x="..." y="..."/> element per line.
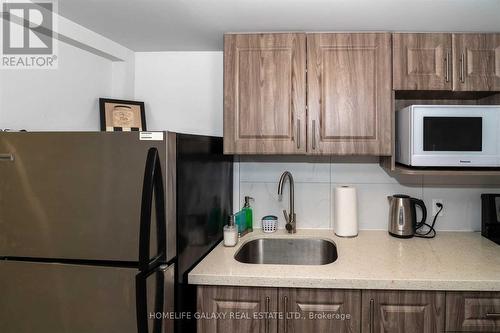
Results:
<point x="230" y="236"/>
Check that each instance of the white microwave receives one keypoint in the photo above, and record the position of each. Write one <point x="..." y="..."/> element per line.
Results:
<point x="448" y="136"/>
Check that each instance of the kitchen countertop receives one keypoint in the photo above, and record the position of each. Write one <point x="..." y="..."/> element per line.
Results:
<point x="373" y="260"/>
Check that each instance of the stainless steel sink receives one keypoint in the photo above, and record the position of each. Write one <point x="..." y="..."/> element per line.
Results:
<point x="288" y="251"/>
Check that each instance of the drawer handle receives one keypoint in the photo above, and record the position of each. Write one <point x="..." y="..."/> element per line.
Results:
<point x="372" y="315"/>
<point x="267" y="312"/>
<point x="7" y="157"/>
<point x="285" y="310"/>
<point x="493" y="315"/>
<point x="447" y="60"/>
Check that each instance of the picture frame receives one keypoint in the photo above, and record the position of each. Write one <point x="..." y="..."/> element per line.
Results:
<point x="122" y="115"/>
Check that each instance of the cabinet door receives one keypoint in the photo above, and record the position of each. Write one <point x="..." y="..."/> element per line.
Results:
<point x="421" y="61"/>
<point x="349" y="93"/>
<point x="264" y="93"/>
<point x="319" y="310"/>
<point x="403" y="311"/>
<point x="473" y="311"/>
<point x="238" y="309"/>
<point x="476" y="62"/>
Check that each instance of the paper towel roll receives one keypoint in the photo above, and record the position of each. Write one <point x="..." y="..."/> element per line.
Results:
<point x="345" y="208"/>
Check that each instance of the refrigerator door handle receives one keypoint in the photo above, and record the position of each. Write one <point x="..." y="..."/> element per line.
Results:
<point x="152" y="185"/>
<point x="141" y="293"/>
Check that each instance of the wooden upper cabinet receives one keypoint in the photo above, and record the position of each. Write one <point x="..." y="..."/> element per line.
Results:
<point x="422" y="61"/>
<point x="264" y="93"/>
<point x="476" y="62"/>
<point x="403" y="311"/>
<point x="349" y="93"/>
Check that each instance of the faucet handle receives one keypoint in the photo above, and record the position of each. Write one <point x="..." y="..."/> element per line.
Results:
<point x="287" y="218"/>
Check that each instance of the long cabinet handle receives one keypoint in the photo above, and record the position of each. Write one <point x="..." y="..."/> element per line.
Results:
<point x="372" y="315"/>
<point x="298" y="133"/>
<point x="492" y="315"/>
<point x="268" y="300"/>
<point x="285" y="310"/>
<point x="462" y="68"/>
<point x="447" y="61"/>
<point x="314" y="134"/>
<point x="7" y="157"/>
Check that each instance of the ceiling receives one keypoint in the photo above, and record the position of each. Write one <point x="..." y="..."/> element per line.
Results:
<point x="198" y="25"/>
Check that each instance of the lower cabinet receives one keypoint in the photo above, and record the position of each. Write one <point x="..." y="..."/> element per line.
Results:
<point x="473" y="311"/>
<point x="319" y="310"/>
<point x="237" y="309"/>
<point x="284" y="310"/>
<point x="403" y="311"/>
<point x="296" y="310"/>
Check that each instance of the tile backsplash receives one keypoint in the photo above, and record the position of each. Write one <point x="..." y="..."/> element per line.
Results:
<point x="315" y="181"/>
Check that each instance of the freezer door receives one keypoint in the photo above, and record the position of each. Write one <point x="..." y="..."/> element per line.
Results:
<point x="77" y="195"/>
<point x="57" y="298"/>
<point x="155" y="300"/>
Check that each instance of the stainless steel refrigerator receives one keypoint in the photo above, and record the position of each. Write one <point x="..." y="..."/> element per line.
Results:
<point x="89" y="237"/>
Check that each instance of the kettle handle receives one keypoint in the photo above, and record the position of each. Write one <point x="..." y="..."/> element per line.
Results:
<point x="421" y="204"/>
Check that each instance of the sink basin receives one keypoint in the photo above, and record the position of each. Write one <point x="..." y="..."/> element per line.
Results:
<point x="288" y="251"/>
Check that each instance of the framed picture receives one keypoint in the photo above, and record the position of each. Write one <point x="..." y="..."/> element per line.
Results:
<point x="122" y="116"/>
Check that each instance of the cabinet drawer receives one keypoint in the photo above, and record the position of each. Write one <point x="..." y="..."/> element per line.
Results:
<point x="473" y="312"/>
<point x="401" y="311"/>
<point x="319" y="310"/>
<point x="237" y="309"/>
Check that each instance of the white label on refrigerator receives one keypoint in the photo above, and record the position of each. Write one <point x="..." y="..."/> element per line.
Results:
<point x="151" y="136"/>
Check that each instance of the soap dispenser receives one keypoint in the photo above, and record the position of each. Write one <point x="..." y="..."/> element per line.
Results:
<point x="248" y="213"/>
<point x="230" y="233"/>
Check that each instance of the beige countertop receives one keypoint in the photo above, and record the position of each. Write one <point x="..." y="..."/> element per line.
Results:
<point x="373" y="260"/>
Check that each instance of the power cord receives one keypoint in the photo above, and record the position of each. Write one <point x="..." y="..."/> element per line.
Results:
<point x="431" y="230"/>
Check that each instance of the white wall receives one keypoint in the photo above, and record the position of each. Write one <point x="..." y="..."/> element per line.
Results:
<point x="182" y="90"/>
<point x="60" y="99"/>
<point x="89" y="66"/>
<point x="123" y="79"/>
<point x="316" y="179"/>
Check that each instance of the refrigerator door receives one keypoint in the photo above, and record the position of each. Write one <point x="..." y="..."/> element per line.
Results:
<point x="76" y="195"/>
<point x="59" y="298"/>
<point x="155" y="300"/>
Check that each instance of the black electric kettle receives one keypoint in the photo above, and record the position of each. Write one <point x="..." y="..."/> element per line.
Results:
<point x="403" y="215"/>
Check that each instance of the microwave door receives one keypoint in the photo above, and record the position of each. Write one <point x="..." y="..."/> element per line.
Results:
<point x="454" y="136"/>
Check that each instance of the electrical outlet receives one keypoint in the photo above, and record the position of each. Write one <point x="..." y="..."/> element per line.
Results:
<point x="435" y="208"/>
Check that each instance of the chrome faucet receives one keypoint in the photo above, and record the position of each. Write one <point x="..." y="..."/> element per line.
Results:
<point x="291" y="222"/>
